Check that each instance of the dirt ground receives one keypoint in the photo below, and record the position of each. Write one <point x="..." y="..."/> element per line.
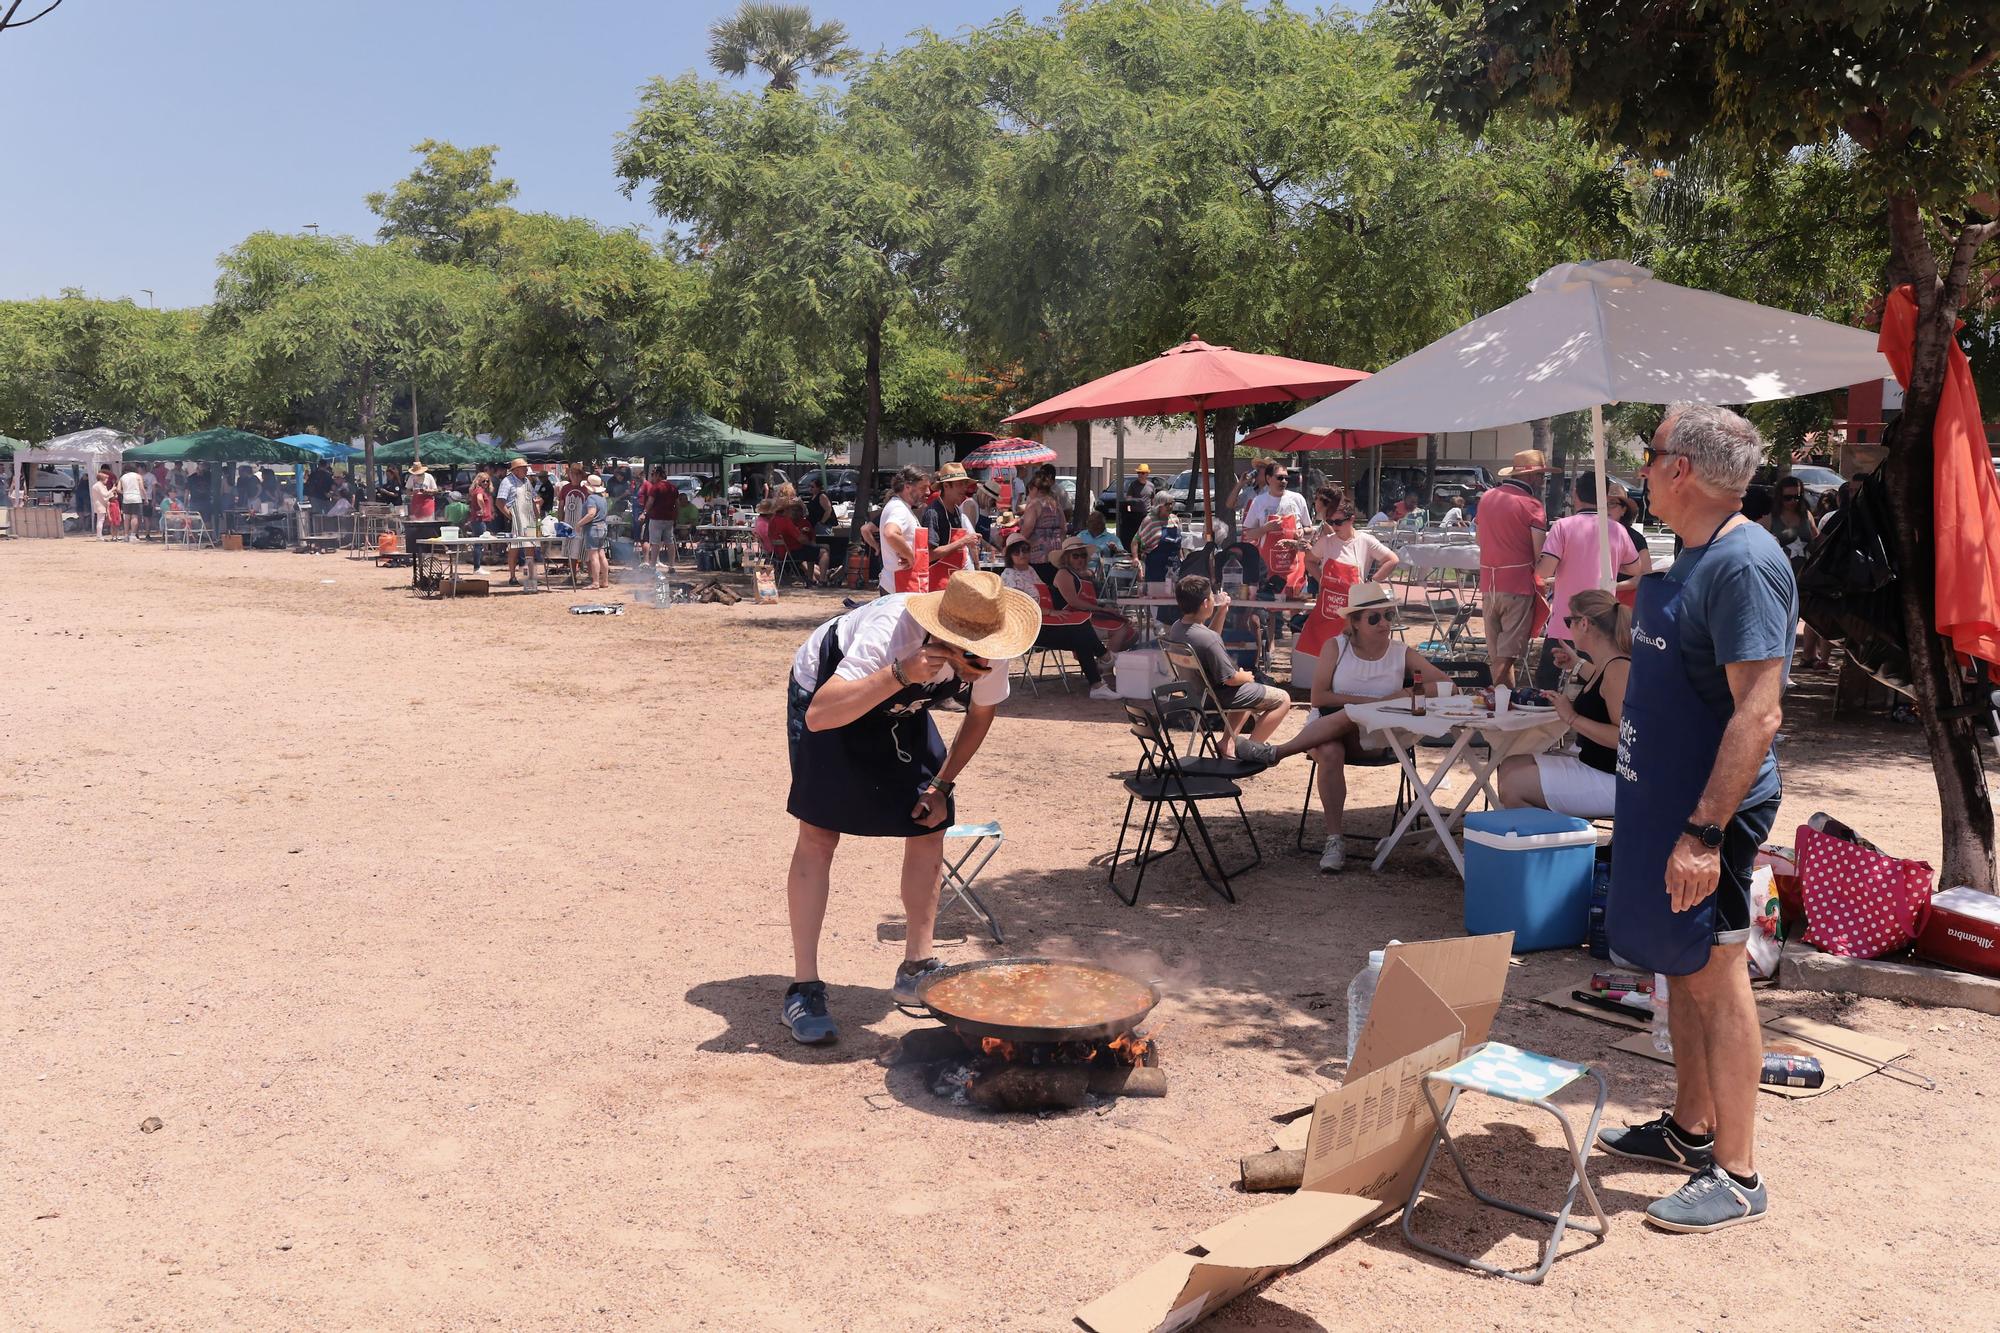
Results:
<point x="446" y="939"/>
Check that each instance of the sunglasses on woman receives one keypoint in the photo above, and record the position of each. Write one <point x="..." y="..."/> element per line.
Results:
<point x="1376" y="617"/>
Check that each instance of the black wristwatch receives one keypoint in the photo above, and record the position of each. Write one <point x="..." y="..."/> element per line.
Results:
<point x="1708" y="835"/>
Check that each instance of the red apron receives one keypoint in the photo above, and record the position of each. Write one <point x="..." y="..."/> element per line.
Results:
<point x="1284" y="563"/>
<point x="944" y="566"/>
<point x="917" y="578"/>
<point x="1327" y="618"/>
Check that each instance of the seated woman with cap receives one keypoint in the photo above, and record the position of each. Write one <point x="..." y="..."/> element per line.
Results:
<point x="1062" y="632"/>
<point x="1075" y="590"/>
<point x="1366" y="663"/>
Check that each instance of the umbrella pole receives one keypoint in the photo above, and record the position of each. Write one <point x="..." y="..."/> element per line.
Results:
<point x="1605" y="574"/>
<point x="1201" y="470"/>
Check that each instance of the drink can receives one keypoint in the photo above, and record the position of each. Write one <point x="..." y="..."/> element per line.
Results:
<point x="1792" y="1071"/>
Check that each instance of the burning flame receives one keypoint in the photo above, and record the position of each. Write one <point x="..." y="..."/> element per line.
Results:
<point x="995" y="1046"/>
<point x="1132" y="1048"/>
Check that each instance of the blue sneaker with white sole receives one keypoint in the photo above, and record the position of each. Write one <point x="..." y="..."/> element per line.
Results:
<point x="1711" y="1200"/>
<point x="805" y="1014"/>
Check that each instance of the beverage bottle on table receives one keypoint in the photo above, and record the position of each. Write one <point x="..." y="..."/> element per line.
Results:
<point x="1361" y="997"/>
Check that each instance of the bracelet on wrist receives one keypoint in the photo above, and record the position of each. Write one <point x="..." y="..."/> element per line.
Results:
<point x="896" y="670"/>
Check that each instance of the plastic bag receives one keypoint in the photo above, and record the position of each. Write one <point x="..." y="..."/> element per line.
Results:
<point x="1766" y="941"/>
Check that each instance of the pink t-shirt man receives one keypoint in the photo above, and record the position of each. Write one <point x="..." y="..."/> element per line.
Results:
<point x="1573" y="542"/>
<point x="1509" y="517"/>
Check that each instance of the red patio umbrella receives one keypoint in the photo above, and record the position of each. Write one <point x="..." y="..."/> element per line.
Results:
<point x="1193" y="377"/>
<point x="1279" y="438"/>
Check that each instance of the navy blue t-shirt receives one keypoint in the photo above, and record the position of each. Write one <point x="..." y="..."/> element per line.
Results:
<point x="1739" y="603"/>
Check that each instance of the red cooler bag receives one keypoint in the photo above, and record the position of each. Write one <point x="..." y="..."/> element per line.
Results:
<point x="1963" y="931"/>
<point x="1859" y="903"/>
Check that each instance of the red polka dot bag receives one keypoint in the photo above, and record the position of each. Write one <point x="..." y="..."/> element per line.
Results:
<point x="1860" y="903"/>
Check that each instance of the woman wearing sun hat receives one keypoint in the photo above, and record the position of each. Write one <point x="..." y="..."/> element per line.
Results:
<point x="1365" y="663"/>
<point x="868" y="761"/>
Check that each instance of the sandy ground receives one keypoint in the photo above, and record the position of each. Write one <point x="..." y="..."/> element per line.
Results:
<point x="447" y="940"/>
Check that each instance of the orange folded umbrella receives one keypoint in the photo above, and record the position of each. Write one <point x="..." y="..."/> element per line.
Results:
<point x="1968" y="492"/>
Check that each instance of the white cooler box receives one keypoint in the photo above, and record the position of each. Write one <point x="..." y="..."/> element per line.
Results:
<point x="1136" y="672"/>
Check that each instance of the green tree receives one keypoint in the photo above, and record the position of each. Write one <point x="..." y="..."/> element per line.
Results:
<point x="817" y="212"/>
<point x="579" y="328"/>
<point x="74" y="362"/>
<point x="450" y="208"/>
<point x="328" y="333"/>
<point x="1910" y="87"/>
<point x="781" y="40"/>
<point x="1151" y="169"/>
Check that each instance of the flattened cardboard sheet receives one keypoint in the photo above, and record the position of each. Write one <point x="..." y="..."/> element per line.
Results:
<point x="1363" y="1143"/>
<point x="1845" y="1055"/>
<point x="1637" y="1019"/>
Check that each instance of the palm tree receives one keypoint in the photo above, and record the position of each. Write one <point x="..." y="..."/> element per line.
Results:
<point x="781" y="40"/>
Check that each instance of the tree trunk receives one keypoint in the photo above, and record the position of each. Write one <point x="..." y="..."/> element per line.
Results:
<point x="1965" y="805"/>
<point x="1222" y="459"/>
<point x="1086" y="485"/>
<point x="1553" y="483"/>
<point x="871" y="430"/>
<point x="367" y="431"/>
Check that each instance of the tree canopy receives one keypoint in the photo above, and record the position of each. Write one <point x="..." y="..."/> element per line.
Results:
<point x="449" y="208"/>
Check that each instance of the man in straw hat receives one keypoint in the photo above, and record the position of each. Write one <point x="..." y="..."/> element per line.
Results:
<point x="954" y="541"/>
<point x="1511" y="528"/>
<point x="867" y="760"/>
<point x="522" y="507"/>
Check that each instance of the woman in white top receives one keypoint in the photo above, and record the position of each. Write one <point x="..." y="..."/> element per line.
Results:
<point x="897" y="526"/>
<point x="1367" y="662"/>
<point x="100" y="500"/>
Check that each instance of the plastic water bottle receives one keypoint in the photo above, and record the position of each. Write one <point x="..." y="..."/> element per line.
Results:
<point x="1663" y="1040"/>
<point x="1232" y="576"/>
<point x="663" y="591"/>
<point x="1361" y="996"/>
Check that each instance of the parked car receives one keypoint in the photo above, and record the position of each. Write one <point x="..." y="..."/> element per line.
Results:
<point x="1107" y="499"/>
<point x="839" y="482"/>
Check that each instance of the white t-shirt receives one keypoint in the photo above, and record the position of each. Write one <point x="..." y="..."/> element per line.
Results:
<point x="1361" y="550"/>
<point x="1268" y="508"/>
<point x="903" y="519"/>
<point x="1023" y="580"/>
<point x="131" y="490"/>
<point x="873" y="636"/>
<point x="1381" y="516"/>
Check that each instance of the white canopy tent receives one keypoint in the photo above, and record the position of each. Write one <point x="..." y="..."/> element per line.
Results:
<point x="85" y="448"/>
<point x="1602" y="332"/>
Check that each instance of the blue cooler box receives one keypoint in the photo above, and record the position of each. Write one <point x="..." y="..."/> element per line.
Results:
<point x="1529" y="871"/>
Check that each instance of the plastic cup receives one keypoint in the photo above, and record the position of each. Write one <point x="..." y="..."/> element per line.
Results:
<point x="1445" y="688"/>
<point x="1501" y="696"/>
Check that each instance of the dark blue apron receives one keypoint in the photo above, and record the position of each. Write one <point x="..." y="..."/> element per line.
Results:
<point x="864" y="778"/>
<point x="1667" y="743"/>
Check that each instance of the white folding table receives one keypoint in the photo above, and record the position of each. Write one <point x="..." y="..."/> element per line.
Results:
<point x="1518" y="731"/>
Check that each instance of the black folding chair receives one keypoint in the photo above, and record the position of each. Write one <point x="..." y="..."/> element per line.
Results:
<point x="1190" y="702"/>
<point x="1166" y="786"/>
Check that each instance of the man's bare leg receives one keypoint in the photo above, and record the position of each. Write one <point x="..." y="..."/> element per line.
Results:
<point x="923" y="868"/>
<point x="1731" y="1050"/>
<point x="1694" y="1103"/>
<point x="807" y="885"/>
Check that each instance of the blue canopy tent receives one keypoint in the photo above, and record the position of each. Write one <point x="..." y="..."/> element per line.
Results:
<point x="330" y="450"/>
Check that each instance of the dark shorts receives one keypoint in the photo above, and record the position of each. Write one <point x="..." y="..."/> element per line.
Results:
<point x="1741" y="839"/>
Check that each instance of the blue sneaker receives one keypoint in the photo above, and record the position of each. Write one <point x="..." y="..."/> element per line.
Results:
<point x="805" y="1013"/>
<point x="907" y="977"/>
<point x="1710" y="1201"/>
<point x="1658" y="1141"/>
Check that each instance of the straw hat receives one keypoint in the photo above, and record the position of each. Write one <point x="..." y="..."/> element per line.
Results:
<point x="1369" y="597"/>
<point x="1527" y="462"/>
<point x="952" y="472"/>
<point x="1145" y="469"/>
<point x="594" y="483"/>
<point x="979" y="613"/>
<point x="1070" y="547"/>
<point x="1018" y="539"/>
<point x="518" y="462"/>
<point x="416" y="468"/>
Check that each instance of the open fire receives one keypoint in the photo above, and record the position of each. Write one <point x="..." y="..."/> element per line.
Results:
<point x="1003" y="1075"/>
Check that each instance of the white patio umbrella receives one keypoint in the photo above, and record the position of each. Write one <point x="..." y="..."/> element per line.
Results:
<point x="1602" y="332"/>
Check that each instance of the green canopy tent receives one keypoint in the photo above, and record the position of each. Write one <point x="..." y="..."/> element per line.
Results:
<point x="688" y="436"/>
<point x="219" y="444"/>
<point x="440" y="448"/>
<point x="8" y="444"/>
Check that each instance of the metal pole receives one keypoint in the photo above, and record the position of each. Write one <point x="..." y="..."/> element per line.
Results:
<point x="1604" y="571"/>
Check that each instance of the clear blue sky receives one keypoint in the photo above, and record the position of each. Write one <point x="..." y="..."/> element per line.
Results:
<point x="144" y="139"/>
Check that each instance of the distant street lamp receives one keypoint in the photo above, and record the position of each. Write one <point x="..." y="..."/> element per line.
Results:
<point x="313" y="227"/>
<point x="149" y="295"/>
